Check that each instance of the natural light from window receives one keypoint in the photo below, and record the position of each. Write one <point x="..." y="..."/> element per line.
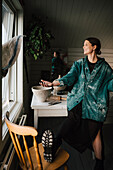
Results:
<point x="12" y="83"/>
<point x="9" y="80"/>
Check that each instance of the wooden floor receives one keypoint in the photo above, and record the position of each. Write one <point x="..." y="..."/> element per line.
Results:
<point x="84" y="161"/>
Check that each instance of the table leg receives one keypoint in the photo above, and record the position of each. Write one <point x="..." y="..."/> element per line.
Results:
<point x="36" y="119"/>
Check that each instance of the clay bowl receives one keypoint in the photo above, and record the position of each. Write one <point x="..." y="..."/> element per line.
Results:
<point x="41" y="93"/>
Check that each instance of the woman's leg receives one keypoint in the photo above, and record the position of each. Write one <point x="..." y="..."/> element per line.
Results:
<point x="97" y="146"/>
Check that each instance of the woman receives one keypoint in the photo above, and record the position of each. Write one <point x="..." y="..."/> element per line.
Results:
<point x="57" y="66"/>
<point x="87" y="104"/>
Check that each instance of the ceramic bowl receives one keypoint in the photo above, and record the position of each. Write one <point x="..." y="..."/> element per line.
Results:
<point x="41" y="93"/>
<point x="59" y="88"/>
<point x="56" y="89"/>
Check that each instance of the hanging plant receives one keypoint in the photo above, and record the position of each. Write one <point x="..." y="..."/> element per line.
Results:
<point x="38" y="39"/>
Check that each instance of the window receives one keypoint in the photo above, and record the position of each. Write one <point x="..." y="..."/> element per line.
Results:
<point x="8" y="82"/>
<point x="12" y="84"/>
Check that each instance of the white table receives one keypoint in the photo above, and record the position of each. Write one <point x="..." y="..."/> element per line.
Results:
<point x="43" y="110"/>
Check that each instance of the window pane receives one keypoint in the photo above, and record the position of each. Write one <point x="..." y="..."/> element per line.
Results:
<point x="8" y="82"/>
<point x="12" y="84"/>
<point x="7" y="23"/>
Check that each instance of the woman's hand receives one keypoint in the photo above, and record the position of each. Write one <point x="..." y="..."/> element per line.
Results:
<point x="56" y="83"/>
<point x="46" y="83"/>
<point x="49" y="84"/>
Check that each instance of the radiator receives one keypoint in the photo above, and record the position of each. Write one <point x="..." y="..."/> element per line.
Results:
<point x="11" y="151"/>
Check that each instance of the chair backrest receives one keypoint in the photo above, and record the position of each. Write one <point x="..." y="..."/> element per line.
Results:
<point x="16" y="130"/>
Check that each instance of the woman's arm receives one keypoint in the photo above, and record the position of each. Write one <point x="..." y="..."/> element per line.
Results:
<point x="68" y="79"/>
<point x="71" y="76"/>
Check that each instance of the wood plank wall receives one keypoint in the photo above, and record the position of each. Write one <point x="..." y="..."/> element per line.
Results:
<point x="77" y="53"/>
<point x="34" y="68"/>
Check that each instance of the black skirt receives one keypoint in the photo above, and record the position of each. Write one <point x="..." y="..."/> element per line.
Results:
<point x="78" y="132"/>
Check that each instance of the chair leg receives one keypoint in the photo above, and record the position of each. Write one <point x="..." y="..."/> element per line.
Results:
<point x="65" y="167"/>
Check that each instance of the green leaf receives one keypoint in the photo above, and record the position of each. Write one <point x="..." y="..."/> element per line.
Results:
<point x="32" y="52"/>
<point x="35" y="56"/>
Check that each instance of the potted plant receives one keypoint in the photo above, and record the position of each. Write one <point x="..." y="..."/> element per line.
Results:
<point x="38" y="39"/>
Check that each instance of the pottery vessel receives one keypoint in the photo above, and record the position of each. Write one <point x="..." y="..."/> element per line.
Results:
<point x="41" y="93"/>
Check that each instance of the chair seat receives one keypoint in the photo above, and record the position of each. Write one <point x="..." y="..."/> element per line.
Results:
<point x="60" y="159"/>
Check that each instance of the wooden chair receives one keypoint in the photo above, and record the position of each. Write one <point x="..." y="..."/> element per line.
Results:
<point x="32" y="158"/>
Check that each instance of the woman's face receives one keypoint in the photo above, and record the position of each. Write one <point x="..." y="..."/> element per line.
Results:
<point x="88" y="48"/>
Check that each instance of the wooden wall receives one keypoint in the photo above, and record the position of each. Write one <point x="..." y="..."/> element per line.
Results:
<point x="77" y="53"/>
<point x="34" y="69"/>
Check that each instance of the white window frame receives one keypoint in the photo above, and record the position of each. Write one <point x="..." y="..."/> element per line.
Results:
<point x="15" y="107"/>
<point x="7" y="31"/>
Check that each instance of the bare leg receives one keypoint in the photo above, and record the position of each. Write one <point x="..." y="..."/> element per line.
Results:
<point x="97" y="146"/>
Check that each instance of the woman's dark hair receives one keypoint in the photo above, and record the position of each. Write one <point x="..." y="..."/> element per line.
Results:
<point x="95" y="41"/>
<point x="57" y="53"/>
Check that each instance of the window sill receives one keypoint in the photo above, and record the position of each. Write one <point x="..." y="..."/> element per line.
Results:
<point x="16" y="108"/>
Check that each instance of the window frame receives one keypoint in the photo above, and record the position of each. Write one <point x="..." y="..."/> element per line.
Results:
<point x="7" y="31"/>
<point x="16" y="107"/>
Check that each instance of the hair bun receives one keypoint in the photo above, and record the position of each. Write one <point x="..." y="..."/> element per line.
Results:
<point x="99" y="52"/>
